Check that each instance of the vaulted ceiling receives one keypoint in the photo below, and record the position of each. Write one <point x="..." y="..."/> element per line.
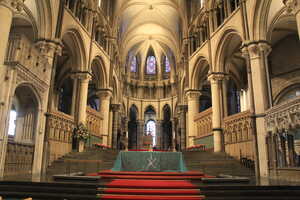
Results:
<point x="145" y="23"/>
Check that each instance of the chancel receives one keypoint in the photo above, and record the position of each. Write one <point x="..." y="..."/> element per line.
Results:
<point x="149" y="99"/>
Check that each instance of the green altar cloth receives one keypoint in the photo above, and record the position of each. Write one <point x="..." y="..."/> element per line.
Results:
<point x="149" y="161"/>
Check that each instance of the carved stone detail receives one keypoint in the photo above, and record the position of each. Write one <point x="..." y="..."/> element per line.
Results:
<point x="292" y="6"/>
<point x="49" y="48"/>
<point x="283" y="117"/>
<point x="193" y="94"/>
<point x="256" y="50"/>
<point x="115" y="107"/>
<point x="104" y="93"/>
<point x="216" y="77"/>
<point x="14" y="5"/>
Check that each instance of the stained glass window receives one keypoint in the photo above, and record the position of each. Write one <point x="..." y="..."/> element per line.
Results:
<point x="167" y="65"/>
<point x="151" y="65"/>
<point x="133" y="64"/>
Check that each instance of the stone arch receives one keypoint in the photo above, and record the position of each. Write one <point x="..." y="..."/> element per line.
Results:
<point x="74" y="39"/>
<point x="291" y="86"/>
<point x="100" y="71"/>
<point x="23" y="130"/>
<point x="200" y="70"/>
<point x="166" y="106"/>
<point x="133" y="136"/>
<point x="115" y="89"/>
<point x="136" y="108"/>
<point x="228" y="40"/>
<point x="39" y="12"/>
<point x="150" y="106"/>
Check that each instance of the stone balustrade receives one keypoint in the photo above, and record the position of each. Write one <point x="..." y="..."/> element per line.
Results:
<point x="285" y="116"/>
<point x="94" y="122"/>
<point x="59" y="133"/>
<point x="203" y="122"/>
<point x="204" y="134"/>
<point x="238" y="135"/>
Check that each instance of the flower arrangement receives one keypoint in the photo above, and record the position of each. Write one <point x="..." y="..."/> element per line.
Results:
<point x="81" y="132"/>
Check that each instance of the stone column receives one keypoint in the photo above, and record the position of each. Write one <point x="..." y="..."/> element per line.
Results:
<point x="193" y="105"/>
<point x="115" y="109"/>
<point x="216" y="84"/>
<point x="104" y="97"/>
<point x="258" y="52"/>
<point x="7" y="8"/>
<point x="158" y="134"/>
<point x="47" y="50"/>
<point x="224" y="95"/>
<point x="173" y="135"/>
<point x="140" y="134"/>
<point x="182" y="112"/>
<point x="74" y="95"/>
<point x="83" y="85"/>
<point x="293" y="7"/>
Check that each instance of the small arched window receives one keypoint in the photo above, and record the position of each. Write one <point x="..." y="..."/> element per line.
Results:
<point x="167" y="65"/>
<point x="151" y="65"/>
<point x="12" y="121"/>
<point x="291" y="93"/>
<point x="133" y="64"/>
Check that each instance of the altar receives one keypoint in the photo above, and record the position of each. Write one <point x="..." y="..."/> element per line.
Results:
<point x="149" y="161"/>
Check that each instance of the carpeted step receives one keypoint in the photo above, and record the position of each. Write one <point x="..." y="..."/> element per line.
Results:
<point x="130" y="191"/>
<point x="153" y="177"/>
<point x="149" y="197"/>
<point x="150" y="184"/>
<point x="188" y="173"/>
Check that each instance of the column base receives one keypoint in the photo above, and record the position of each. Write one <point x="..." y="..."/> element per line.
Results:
<point x="81" y="144"/>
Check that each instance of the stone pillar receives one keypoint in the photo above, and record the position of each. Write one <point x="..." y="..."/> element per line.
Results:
<point x="258" y="63"/>
<point x="7" y="8"/>
<point x="83" y="85"/>
<point x="74" y="95"/>
<point x="182" y="112"/>
<point x="216" y="84"/>
<point x="140" y="134"/>
<point x="47" y="50"/>
<point x="290" y="150"/>
<point x="158" y="134"/>
<point x="193" y="105"/>
<point x="115" y="109"/>
<point x="224" y="97"/>
<point x="293" y="7"/>
<point x="173" y="135"/>
<point x="104" y="97"/>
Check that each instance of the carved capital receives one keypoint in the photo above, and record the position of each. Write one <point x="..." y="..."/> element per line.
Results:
<point x="193" y="94"/>
<point x="82" y="76"/>
<point x="14" y="5"/>
<point x="257" y="49"/>
<point x="216" y="77"/>
<point x="115" y="107"/>
<point x="49" y="48"/>
<point x="104" y="94"/>
<point x="183" y="108"/>
<point x="292" y="6"/>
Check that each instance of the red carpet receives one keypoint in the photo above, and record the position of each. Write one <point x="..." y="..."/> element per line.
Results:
<point x="150" y="186"/>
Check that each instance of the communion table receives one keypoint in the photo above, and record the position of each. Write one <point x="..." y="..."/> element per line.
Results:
<point x="150" y="161"/>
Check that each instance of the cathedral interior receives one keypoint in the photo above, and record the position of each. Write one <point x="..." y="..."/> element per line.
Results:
<point x="219" y="77"/>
